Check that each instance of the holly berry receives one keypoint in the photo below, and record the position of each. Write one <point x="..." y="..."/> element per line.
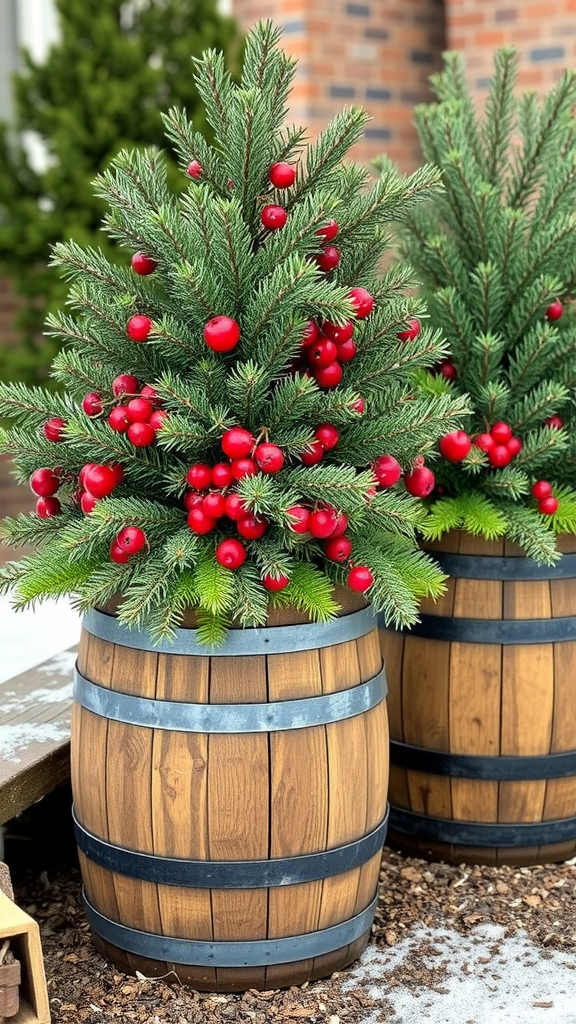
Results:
<point x="541" y="489"/>
<point x="214" y="505"/>
<point x="83" y="471"/>
<point x="100" y="480"/>
<point x="455" y="446"/>
<point x="131" y="539"/>
<point x="555" y="310"/>
<point x="346" y="351"/>
<point x="327" y="435"/>
<point x="243" y="467"/>
<point x="329" y="258"/>
<point x="53" y="429"/>
<point x="387" y="470"/>
<point x="230" y="553"/>
<point x="118" y="554"/>
<point x="92" y="404"/>
<point x="44" y="482"/>
<point x="556" y="422"/>
<point x="499" y="456"/>
<point x="47" y="507"/>
<point x="139" y="410"/>
<point x="282" y="175"/>
<point x="138" y="327"/>
<point x="548" y="506"/>
<point x="299" y="518"/>
<point x="337" y="549"/>
<point x="447" y="369"/>
<point x="157" y="418"/>
<point x="150" y="393"/>
<point x="360" y="578"/>
<point x="329" y="376"/>
<point x="501" y="432"/>
<point x="199" y="476"/>
<point x="269" y="457"/>
<point x="341" y="525"/>
<point x="314" y="453"/>
<point x="222" y="474"/>
<point x="484" y="441"/>
<point x="514" y="445"/>
<point x="358" y="406"/>
<point x="273" y="217"/>
<point x="362" y="301"/>
<point x="118" y="419"/>
<point x="329" y="230"/>
<point x="412" y="332"/>
<point x="87" y="502"/>
<point x="237" y="442"/>
<point x="125" y="384"/>
<point x="311" y="333"/>
<point x="420" y="481"/>
<point x="194" y="170"/>
<point x="275" y="583"/>
<point x="322" y="353"/>
<point x="338" y="333"/>
<point x="142" y="264"/>
<point x="235" y="507"/>
<point x="221" y="334"/>
<point x="141" y="434"/>
<point x="252" y="527"/>
<point x="322" y="522"/>
<point x="199" y="521"/>
<point x="192" y="499"/>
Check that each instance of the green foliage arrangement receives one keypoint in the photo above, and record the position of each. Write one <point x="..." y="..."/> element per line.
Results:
<point x="497" y="253"/>
<point x="227" y="398"/>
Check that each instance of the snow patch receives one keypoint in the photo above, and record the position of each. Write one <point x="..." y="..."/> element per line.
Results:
<point x="16" y="738"/>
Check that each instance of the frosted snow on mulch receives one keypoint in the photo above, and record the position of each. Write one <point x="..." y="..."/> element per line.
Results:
<point x="485" y="979"/>
<point x="31" y="636"/>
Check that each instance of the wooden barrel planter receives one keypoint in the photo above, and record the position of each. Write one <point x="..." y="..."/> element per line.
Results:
<point x="230" y="810"/>
<point x="482" y="706"/>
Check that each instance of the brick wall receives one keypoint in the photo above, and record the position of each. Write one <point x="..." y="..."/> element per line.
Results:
<point x="372" y="53"/>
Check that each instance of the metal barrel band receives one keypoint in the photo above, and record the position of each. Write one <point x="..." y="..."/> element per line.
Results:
<point x="494" y="631"/>
<point x="273" y="716"/>
<point x="493" y="567"/>
<point x="480" y="833"/>
<point x="224" y="874"/>
<point x="265" y="640"/>
<point x="504" y="767"/>
<point x="249" y="953"/>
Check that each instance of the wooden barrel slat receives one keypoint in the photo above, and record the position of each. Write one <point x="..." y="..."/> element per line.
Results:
<point x="505" y="699"/>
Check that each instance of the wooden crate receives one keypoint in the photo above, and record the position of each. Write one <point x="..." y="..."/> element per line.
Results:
<point x="24" y="936"/>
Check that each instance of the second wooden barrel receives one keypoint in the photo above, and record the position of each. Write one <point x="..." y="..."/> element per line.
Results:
<point x="482" y="705"/>
<point x="231" y="807"/>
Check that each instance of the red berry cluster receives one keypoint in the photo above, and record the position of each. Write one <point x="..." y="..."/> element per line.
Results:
<point x="139" y="417"/>
<point x="547" y="503"/>
<point x="325" y="348"/>
<point x="45" y="482"/>
<point x="127" y="543"/>
<point x="500" y="444"/>
<point x="325" y="523"/>
<point x="329" y="258"/>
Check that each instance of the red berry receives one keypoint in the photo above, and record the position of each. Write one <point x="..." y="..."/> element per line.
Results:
<point x="192" y="499"/>
<point x="387" y="470"/>
<point x="329" y="258"/>
<point x="230" y="553"/>
<point x="322" y="352"/>
<point x="273" y="217"/>
<point x="360" y="578"/>
<point x="412" y="332"/>
<point x="150" y="393"/>
<point x="252" y="527"/>
<point x="338" y="334"/>
<point x="139" y="410"/>
<point x="358" y="406"/>
<point x="327" y="435"/>
<point x="138" y="327"/>
<point x="299" y="518"/>
<point x="125" y="384"/>
<point x="141" y="434"/>
<point x="329" y="230"/>
<point x="501" y="432"/>
<point x="311" y="333"/>
<point x="556" y="422"/>
<point x="313" y="454"/>
<point x="341" y="525"/>
<point x="237" y="442"/>
<point x="157" y="418"/>
<point x="455" y="446"/>
<point x="100" y="481"/>
<point x="243" y="467"/>
<point x="485" y="442"/>
<point x="44" y="482"/>
<point x="447" y="369"/>
<point x="142" y="264"/>
<point x="322" y="522"/>
<point x="362" y="301"/>
<point x="514" y="445"/>
<point x="199" y="476"/>
<point x="118" y="554"/>
<point x="222" y="474"/>
<point x="221" y="334"/>
<point x="282" y="175"/>
<point x="420" y="481"/>
<point x="269" y="457"/>
<point x="329" y="376"/>
<point x="337" y="549"/>
<point x="118" y="419"/>
<point x="87" y="502"/>
<point x="541" y="489"/>
<point x="214" y="505"/>
<point x="83" y="471"/>
<point x="499" y="456"/>
<point x="92" y="404"/>
<point x="235" y="507"/>
<point x="199" y="521"/>
<point x="346" y="351"/>
<point x="53" y="429"/>
<point x="548" y="506"/>
<point x="275" y="583"/>
<point x="131" y="539"/>
<point x="194" y="169"/>
<point x="48" y="507"/>
<point x="118" y="472"/>
<point x="555" y="310"/>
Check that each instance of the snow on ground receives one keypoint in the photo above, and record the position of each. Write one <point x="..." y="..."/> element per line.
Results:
<point x="29" y="637"/>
